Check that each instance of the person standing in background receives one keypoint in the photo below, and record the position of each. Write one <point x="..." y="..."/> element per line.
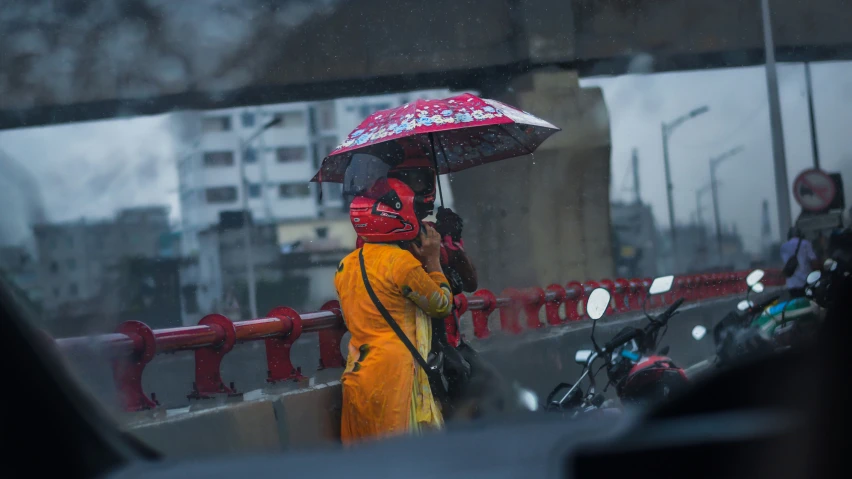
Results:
<point x="806" y="261"/>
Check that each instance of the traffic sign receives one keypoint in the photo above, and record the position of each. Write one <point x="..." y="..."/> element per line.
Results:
<point x="814" y="190"/>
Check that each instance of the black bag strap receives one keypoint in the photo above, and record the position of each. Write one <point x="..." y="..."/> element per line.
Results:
<point x="391" y="322"/>
<point x="798" y="245"/>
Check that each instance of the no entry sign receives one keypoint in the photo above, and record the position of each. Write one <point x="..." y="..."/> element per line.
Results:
<point x="814" y="190"/>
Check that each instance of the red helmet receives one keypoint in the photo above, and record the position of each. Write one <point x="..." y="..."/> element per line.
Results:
<point x="385" y="214"/>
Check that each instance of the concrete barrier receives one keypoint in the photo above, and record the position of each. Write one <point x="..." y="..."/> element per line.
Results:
<point x="264" y="421"/>
<point x="246" y="427"/>
<point x="309" y="418"/>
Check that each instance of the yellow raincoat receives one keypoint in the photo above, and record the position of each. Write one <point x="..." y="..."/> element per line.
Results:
<point x="385" y="392"/>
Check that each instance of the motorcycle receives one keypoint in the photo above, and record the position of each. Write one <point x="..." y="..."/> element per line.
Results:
<point x="756" y="329"/>
<point x="633" y="365"/>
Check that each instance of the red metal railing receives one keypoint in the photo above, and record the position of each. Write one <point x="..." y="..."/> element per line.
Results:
<point x="135" y="344"/>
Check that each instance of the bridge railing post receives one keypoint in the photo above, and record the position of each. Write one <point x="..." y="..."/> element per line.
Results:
<point x="532" y="301"/>
<point x="621" y="295"/>
<point x="280" y="367"/>
<point x="330" y="339"/>
<point x="480" y="316"/>
<point x="574" y="306"/>
<point x="208" y="360"/>
<point x="556" y="295"/>
<point x="127" y="370"/>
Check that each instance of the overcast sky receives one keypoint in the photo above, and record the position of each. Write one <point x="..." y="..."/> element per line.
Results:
<point x="91" y="169"/>
<point x="738" y="116"/>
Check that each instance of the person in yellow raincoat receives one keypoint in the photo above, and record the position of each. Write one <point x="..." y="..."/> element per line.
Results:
<point x="385" y="391"/>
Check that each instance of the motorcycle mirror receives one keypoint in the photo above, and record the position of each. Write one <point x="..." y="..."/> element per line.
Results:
<point x="597" y="303"/>
<point x="744" y="305"/>
<point x="527" y="399"/>
<point x="699" y="332"/>
<point x="663" y="351"/>
<point x="813" y="277"/>
<point x="582" y="356"/>
<point x="758" y="288"/>
<point x="829" y="265"/>
<point x="754" y="277"/>
<point x="663" y="284"/>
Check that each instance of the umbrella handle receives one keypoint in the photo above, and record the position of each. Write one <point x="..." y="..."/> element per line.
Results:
<point x="437" y="168"/>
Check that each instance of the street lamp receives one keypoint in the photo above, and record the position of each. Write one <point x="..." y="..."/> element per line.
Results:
<point x="668" y="128"/>
<point x="244" y="144"/>
<point x="698" y="194"/>
<point x="714" y="163"/>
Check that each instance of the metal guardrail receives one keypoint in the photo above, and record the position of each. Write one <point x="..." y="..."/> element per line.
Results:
<point x="134" y="344"/>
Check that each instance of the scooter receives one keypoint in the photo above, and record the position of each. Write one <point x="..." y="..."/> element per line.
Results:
<point x="639" y="372"/>
<point x="756" y="329"/>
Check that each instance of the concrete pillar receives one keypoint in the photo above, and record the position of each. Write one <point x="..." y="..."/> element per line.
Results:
<point x="544" y="218"/>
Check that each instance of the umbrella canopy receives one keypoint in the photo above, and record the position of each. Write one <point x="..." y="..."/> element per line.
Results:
<point x="460" y="132"/>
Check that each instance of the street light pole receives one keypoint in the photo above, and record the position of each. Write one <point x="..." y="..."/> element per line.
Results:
<point x="698" y="194"/>
<point x="667" y="129"/>
<point x="814" y="144"/>
<point x="250" y="277"/>
<point x="714" y="163"/>
<point x="776" y="127"/>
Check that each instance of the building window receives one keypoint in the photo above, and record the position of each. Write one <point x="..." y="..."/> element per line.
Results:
<point x="221" y="194"/>
<point x="214" y="159"/>
<point x="322" y="232"/>
<point x="72" y="290"/>
<point x="54" y="267"/>
<point x="254" y="190"/>
<point x="322" y="149"/>
<point x="333" y="192"/>
<point x="291" y="153"/>
<point x="72" y="264"/>
<point x="250" y="155"/>
<point x="216" y="123"/>
<point x="247" y="119"/>
<point x="294" y="190"/>
<point x="325" y="116"/>
<point x="290" y="119"/>
<point x="56" y="293"/>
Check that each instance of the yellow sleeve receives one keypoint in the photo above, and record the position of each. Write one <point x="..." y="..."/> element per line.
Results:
<point x="429" y="291"/>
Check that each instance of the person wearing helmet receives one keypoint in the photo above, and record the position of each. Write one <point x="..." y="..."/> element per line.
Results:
<point x="385" y="390"/>
<point x="408" y="161"/>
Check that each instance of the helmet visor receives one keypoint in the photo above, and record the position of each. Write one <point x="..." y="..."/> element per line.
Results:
<point x="366" y="176"/>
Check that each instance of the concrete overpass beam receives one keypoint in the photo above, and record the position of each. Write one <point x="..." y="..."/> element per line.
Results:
<point x="544" y="218"/>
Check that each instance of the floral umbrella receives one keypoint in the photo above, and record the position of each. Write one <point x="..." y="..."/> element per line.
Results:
<point x="460" y="132"/>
